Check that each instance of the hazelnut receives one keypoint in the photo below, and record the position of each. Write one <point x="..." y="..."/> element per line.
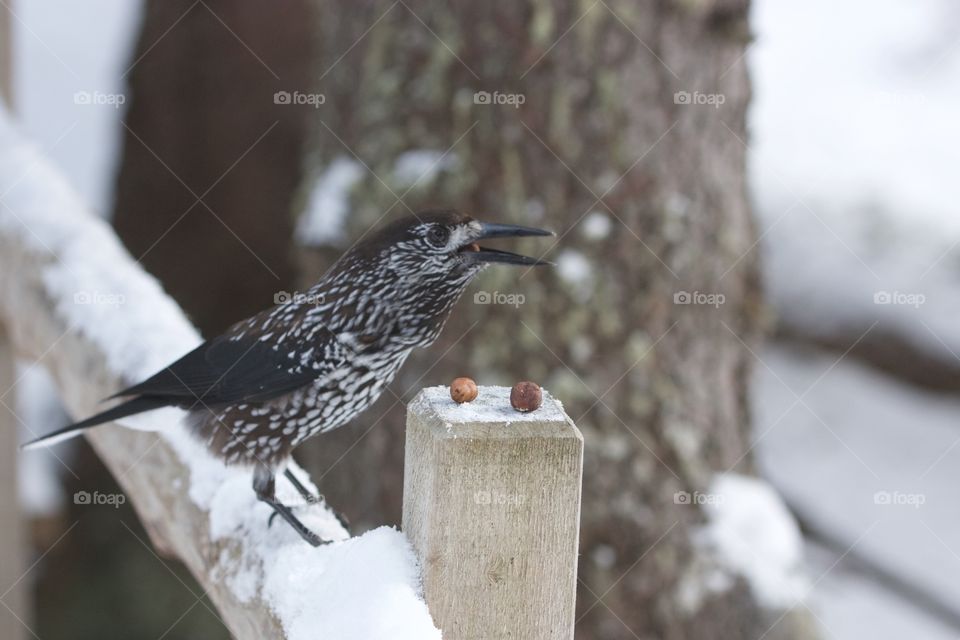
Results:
<point x="526" y="396"/>
<point x="463" y="390"/>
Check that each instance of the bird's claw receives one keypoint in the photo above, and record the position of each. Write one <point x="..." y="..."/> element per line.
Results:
<point x="287" y="514"/>
<point x="316" y="498"/>
<point x="341" y="518"/>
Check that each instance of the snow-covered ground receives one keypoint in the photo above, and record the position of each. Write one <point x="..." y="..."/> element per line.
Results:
<point x="848" y="605"/>
<point x="873" y="461"/>
<point x="853" y="158"/>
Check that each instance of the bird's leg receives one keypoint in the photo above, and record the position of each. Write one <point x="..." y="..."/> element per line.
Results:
<point x="301" y="489"/>
<point x="264" y="485"/>
<point x="312" y="498"/>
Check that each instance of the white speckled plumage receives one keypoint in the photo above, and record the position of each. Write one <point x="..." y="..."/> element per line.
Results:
<point x="355" y="329"/>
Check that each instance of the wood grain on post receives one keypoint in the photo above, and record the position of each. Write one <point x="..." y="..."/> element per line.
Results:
<point x="491" y="504"/>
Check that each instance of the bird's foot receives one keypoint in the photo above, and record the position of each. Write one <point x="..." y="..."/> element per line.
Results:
<point x="315" y="498"/>
<point x="342" y="519"/>
<point x="287" y="514"/>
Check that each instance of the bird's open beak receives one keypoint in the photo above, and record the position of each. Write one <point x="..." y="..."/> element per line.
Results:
<point x="494" y="230"/>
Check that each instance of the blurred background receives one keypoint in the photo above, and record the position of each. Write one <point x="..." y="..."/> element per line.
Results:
<point x="758" y="275"/>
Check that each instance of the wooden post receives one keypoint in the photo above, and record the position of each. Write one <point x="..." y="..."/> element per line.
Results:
<point x="491" y="504"/>
<point x="13" y="590"/>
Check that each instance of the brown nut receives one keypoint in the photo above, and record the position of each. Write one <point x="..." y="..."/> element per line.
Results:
<point x="526" y="396"/>
<point x="463" y="390"/>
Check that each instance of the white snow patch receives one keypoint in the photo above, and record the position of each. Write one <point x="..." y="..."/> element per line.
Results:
<point x="752" y="534"/>
<point x="574" y="268"/>
<point x="867" y="116"/>
<point x="38" y="410"/>
<point x="328" y="204"/>
<point x="869" y="434"/>
<point x="604" y="556"/>
<point x="853" y="166"/>
<point x="851" y="606"/>
<point x="491" y="405"/>
<point x="38" y="487"/>
<point x="372" y="580"/>
<point x="361" y="592"/>
<point x="54" y="68"/>
<point x="421" y="166"/>
<point x="597" y="225"/>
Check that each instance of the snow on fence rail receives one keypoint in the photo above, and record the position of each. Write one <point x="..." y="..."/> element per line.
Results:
<point x="491" y="500"/>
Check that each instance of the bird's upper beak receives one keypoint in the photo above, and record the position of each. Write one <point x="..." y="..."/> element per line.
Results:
<point x="495" y="230"/>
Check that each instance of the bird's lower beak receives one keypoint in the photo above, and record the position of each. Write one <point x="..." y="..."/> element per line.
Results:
<point x="495" y="230"/>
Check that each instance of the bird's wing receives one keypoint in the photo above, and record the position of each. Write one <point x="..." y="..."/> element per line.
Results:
<point x="229" y="370"/>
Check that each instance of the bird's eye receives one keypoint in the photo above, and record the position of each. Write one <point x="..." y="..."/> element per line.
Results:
<point x="437" y="236"/>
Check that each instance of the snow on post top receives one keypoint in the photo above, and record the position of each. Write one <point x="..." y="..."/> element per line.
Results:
<point x="491" y="408"/>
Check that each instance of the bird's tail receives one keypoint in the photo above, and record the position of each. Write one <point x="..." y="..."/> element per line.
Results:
<point x="128" y="408"/>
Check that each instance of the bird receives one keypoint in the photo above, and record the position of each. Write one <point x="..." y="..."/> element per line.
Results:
<point x="313" y="362"/>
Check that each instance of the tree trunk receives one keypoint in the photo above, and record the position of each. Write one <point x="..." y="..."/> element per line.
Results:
<point x="210" y="159"/>
<point x="582" y="132"/>
<point x="202" y="124"/>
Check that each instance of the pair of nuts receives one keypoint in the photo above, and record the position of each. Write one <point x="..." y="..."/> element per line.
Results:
<point x="525" y="396"/>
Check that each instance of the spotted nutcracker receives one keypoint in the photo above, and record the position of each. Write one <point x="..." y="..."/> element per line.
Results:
<point x="315" y="361"/>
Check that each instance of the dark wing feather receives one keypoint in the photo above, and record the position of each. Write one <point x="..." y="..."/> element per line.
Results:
<point x="228" y="371"/>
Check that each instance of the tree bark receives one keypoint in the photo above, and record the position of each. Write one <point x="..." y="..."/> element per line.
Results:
<point x="210" y="160"/>
<point x="648" y="197"/>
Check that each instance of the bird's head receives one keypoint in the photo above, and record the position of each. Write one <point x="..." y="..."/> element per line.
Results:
<point x="414" y="270"/>
<point x="446" y="244"/>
